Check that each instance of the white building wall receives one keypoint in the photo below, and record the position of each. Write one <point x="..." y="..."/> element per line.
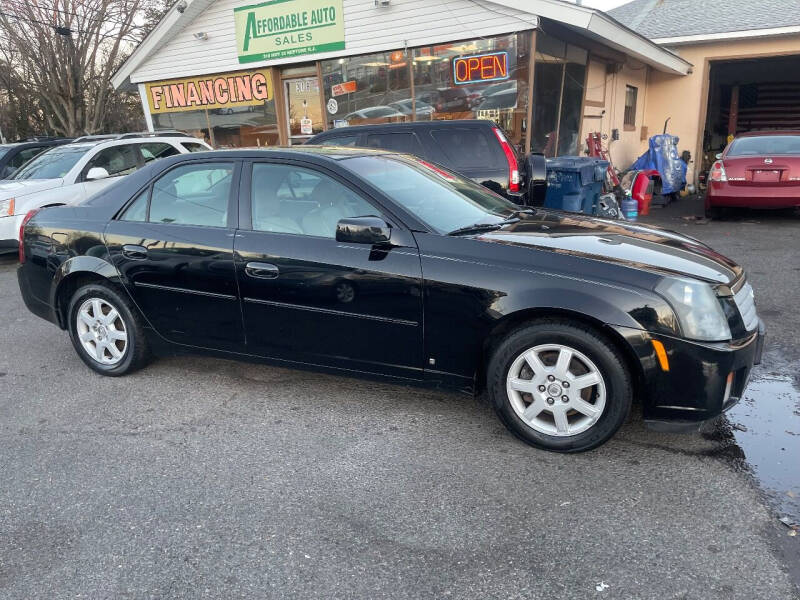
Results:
<point x="404" y="23"/>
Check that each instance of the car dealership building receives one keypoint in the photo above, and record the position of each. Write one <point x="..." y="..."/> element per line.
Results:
<point x="245" y="74"/>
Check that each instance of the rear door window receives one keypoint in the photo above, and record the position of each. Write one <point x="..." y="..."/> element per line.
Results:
<point x="398" y="142"/>
<point x="466" y="148"/>
<point x="155" y="150"/>
<point x="196" y="194"/>
<point x="137" y="210"/>
<point x="194" y="147"/>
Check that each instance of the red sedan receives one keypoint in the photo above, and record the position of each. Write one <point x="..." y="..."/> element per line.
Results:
<point x="756" y="170"/>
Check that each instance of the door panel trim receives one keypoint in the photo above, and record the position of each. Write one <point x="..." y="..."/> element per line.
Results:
<point x="330" y="311"/>
<point x="167" y="288"/>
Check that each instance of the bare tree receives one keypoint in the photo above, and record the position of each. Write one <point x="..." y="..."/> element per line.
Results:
<point x="69" y="49"/>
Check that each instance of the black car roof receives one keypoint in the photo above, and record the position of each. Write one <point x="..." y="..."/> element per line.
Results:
<point x="324" y="152"/>
<point x="435" y="124"/>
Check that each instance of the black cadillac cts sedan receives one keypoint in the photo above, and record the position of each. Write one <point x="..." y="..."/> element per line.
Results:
<point x="369" y="262"/>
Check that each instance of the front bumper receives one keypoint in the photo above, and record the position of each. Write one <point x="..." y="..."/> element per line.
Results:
<point x="703" y="380"/>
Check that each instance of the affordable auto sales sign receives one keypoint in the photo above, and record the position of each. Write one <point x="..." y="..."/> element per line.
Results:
<point x="282" y="28"/>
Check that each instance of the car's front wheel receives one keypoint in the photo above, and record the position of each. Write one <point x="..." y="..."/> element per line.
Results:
<point x="105" y="331"/>
<point x="559" y="386"/>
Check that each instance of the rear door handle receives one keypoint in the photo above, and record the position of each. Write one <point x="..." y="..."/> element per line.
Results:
<point x="261" y="270"/>
<point x="134" y="252"/>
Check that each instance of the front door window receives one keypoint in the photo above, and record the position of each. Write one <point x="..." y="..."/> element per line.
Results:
<point x="303" y="108"/>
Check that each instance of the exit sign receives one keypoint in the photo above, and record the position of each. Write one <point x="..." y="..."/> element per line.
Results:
<point x="480" y="68"/>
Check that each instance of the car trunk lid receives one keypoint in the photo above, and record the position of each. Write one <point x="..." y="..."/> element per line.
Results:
<point x="762" y="170"/>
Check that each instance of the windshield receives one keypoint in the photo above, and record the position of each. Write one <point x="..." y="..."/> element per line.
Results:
<point x="4" y="150"/>
<point x="439" y="198"/>
<point x="767" y="144"/>
<point x="52" y="164"/>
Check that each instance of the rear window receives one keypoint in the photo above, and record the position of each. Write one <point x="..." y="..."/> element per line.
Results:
<point x="469" y="148"/>
<point x="155" y="150"/>
<point x="767" y="144"/>
<point x="398" y="142"/>
<point x="194" y="147"/>
<point x="342" y="140"/>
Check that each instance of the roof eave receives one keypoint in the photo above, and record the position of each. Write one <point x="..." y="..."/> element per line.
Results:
<point x="621" y="38"/>
<point x="603" y="28"/>
<point x="592" y="22"/>
<point x="170" y="23"/>
<point x="727" y="36"/>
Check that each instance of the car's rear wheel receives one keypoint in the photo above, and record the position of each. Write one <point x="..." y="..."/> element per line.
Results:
<point x="559" y="385"/>
<point x="106" y="333"/>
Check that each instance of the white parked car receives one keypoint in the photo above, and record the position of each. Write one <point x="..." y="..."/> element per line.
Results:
<point x="71" y="173"/>
<point x="405" y="107"/>
<point x="374" y="112"/>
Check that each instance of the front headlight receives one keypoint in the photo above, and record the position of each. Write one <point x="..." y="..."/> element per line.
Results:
<point x="698" y="309"/>
<point x="7" y="207"/>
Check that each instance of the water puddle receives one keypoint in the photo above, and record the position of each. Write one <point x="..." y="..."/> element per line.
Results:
<point x="766" y="426"/>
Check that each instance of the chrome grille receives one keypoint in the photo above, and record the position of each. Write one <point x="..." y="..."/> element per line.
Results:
<point x="746" y="304"/>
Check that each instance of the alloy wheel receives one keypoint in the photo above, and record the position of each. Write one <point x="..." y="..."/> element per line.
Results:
<point x="101" y="331"/>
<point x="556" y="390"/>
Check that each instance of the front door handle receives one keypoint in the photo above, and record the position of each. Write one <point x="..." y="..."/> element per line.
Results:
<point x="134" y="252"/>
<point x="261" y="270"/>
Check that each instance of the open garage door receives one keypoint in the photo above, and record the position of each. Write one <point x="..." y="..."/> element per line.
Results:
<point x="750" y="95"/>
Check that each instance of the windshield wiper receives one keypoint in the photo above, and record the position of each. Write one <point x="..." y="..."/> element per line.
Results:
<point x="478" y="227"/>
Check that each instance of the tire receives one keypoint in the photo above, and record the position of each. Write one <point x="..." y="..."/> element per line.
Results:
<point x="92" y="336"/>
<point x="601" y="407"/>
<point x="714" y="213"/>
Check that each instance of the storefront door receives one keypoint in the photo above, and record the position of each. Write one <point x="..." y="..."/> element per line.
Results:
<point x="303" y="109"/>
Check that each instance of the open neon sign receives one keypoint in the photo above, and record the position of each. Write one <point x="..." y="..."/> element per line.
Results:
<point x="480" y="68"/>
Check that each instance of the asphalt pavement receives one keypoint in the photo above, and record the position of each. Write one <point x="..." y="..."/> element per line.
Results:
<point x="208" y="478"/>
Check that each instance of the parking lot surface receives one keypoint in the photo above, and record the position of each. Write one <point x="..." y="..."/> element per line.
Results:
<point x="200" y="477"/>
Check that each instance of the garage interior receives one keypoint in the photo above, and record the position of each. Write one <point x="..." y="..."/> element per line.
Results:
<point x="750" y="95"/>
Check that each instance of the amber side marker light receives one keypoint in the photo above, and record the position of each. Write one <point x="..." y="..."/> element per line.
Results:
<point x="728" y="386"/>
<point x="661" y="354"/>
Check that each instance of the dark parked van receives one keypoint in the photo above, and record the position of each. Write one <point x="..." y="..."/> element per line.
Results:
<point x="13" y="156"/>
<point x="477" y="149"/>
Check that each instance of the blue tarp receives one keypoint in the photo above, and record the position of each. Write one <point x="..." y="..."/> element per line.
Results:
<point x="663" y="157"/>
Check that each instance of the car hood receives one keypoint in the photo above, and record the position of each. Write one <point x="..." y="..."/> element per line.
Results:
<point x="637" y="246"/>
<point x="15" y="188"/>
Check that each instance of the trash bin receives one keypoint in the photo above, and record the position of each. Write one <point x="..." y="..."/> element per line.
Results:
<point x="574" y="183"/>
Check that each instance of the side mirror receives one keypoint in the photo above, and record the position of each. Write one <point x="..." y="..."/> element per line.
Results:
<point x="719" y="155"/>
<point x="363" y="230"/>
<point x="96" y="173"/>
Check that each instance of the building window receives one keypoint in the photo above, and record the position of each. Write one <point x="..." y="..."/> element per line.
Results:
<point x="236" y="115"/>
<point x="559" y="81"/>
<point x="375" y="88"/>
<point x="484" y="79"/>
<point x="630" y="107"/>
